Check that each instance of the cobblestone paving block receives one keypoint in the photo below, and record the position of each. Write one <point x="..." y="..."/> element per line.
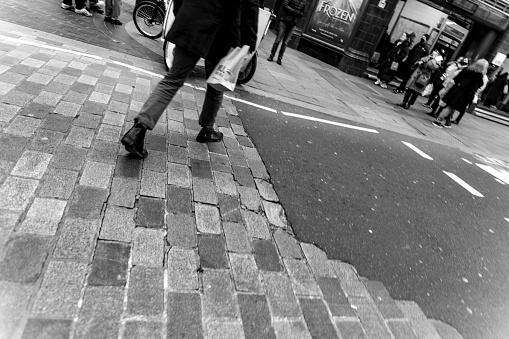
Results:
<point x="155" y="162"/>
<point x="303" y="281"/>
<point x="88" y="120"/>
<point x="109" y="133"/>
<point x="15" y="193"/>
<point x="371" y="319"/>
<point x="225" y="183"/>
<point x="287" y="245"/>
<point x="237" y="238"/>
<point x="292" y="329"/>
<point x="77" y="238"/>
<point x="258" y="170"/>
<point x="216" y="147"/>
<point x="68" y="157"/>
<point x="275" y="214"/>
<point x="201" y="169"/>
<point x="47" y="328"/>
<point x="445" y="330"/>
<point x="252" y="154"/>
<point x="57" y="122"/>
<point x="280" y="294"/>
<point x="401" y="329"/>
<point x="67" y="109"/>
<point x="249" y="198"/>
<point x="153" y="184"/>
<point x="103" y="152"/>
<point x="146" y="291"/>
<point x="384" y="302"/>
<point x="179" y="200"/>
<point x="80" y="137"/>
<point x="7" y="112"/>
<point x="100" y="313"/>
<point x="142" y="329"/>
<point x="198" y="151"/>
<point x="335" y="298"/>
<point x="212" y="251"/>
<point x="220" y="163"/>
<point x="61" y="289"/>
<point x="176" y="127"/>
<point x="266" y="190"/>
<point x="17" y="98"/>
<point x="35" y="110"/>
<point x="219" y="300"/>
<point x="318" y="261"/>
<point x="182" y="269"/>
<point x="32" y="164"/>
<point x="245" y="142"/>
<point x="43" y="216"/>
<point x="150" y="212"/>
<point x="351" y="328"/>
<point x="204" y="191"/>
<point x="184" y="315"/>
<point x="11" y="147"/>
<point x="94" y="108"/>
<point x="148" y="247"/>
<point x="349" y="279"/>
<point x="110" y="263"/>
<point x="256" y="225"/>
<point x="86" y="202"/>
<point x="178" y="155"/>
<point x="118" y="224"/>
<point x="229" y="207"/>
<point x="7" y="222"/>
<point x="237" y="158"/>
<point x="75" y="97"/>
<point x="181" y="230"/>
<point x="243" y="176"/>
<point x="207" y="218"/>
<point x="123" y="192"/>
<point x="155" y="142"/>
<point x="245" y="272"/>
<point x="317" y="318"/>
<point x="255" y="316"/>
<point x="46" y="141"/>
<point x="221" y="329"/>
<point x="114" y="118"/>
<point x="177" y="139"/>
<point x="266" y="255"/>
<point x="24" y="259"/>
<point x="14" y="300"/>
<point x="128" y="167"/>
<point x="179" y="175"/>
<point x="422" y="327"/>
<point x="96" y="174"/>
<point x="23" y="126"/>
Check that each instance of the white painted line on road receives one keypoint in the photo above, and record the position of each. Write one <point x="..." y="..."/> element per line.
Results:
<point x="253" y="104"/>
<point x="330" y="122"/>
<point x="467" y="161"/>
<point x="500" y="181"/>
<point x="507" y="219"/>
<point x="464" y="184"/>
<point x="418" y="151"/>
<point x="504" y="176"/>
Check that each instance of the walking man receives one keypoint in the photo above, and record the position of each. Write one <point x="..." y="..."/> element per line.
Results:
<point x="292" y="11"/>
<point x="209" y="35"/>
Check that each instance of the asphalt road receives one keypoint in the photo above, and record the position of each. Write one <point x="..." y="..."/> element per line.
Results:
<point x="370" y="200"/>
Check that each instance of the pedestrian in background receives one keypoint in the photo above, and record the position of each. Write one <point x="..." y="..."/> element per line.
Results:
<point x="93" y="6"/>
<point x="497" y="91"/>
<point x="293" y="10"/>
<point x="474" y="102"/>
<point x="209" y="35"/>
<point x="462" y="93"/>
<point x="405" y="70"/>
<point x="396" y="55"/>
<point x="113" y="12"/>
<point x="79" y="9"/>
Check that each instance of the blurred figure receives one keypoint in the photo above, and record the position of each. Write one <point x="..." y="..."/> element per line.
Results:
<point x="113" y="12"/>
<point x="474" y="102"/>
<point x="405" y="70"/>
<point x="398" y="52"/>
<point x="497" y="91"/>
<point x="383" y="47"/>
<point x="79" y="9"/>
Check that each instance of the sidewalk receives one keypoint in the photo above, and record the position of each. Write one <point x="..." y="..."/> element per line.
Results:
<point x="190" y="242"/>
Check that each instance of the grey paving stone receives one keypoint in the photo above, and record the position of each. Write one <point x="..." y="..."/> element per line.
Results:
<point x="123" y="192"/>
<point x="212" y="251"/>
<point x="118" y="224"/>
<point x="216" y="147"/>
<point x="153" y="184"/>
<point x="7" y="112"/>
<point x="47" y="329"/>
<point x="150" y="212"/>
<point x="68" y="157"/>
<point x="237" y="238"/>
<point x="318" y="261"/>
<point x="335" y="298"/>
<point x="15" y="193"/>
<point x="237" y="158"/>
<point x="110" y="263"/>
<point x="266" y="190"/>
<point x="229" y="207"/>
<point x="256" y="225"/>
<point x="245" y="142"/>
<point x="14" y="300"/>
<point x="204" y="191"/>
<point x="207" y="218"/>
<point x="296" y="329"/>
<point x="275" y="214"/>
<point x="178" y="155"/>
<point x="385" y="304"/>
<point x="100" y="313"/>
<point x="11" y="146"/>
<point x="8" y="221"/>
<point x="43" y="216"/>
<point x="80" y="137"/>
<point x="155" y="142"/>
<point x="349" y="279"/>
<point x="224" y="329"/>
<point x="32" y="164"/>
<point x="249" y="198"/>
<point x="255" y="316"/>
<point x="109" y="133"/>
<point x="182" y="269"/>
<point x="24" y="259"/>
<point x="59" y="183"/>
<point x="225" y="183"/>
<point x="303" y="281"/>
<point x="86" y="202"/>
<point x="219" y="299"/>
<point x="36" y="110"/>
<point x="46" y="141"/>
<point x="181" y="230"/>
<point x="128" y="167"/>
<point x="243" y="176"/>
<point x="179" y="200"/>
<point x="287" y="245"/>
<point x="281" y="298"/>
<point x="201" y="169"/>
<point x="177" y="139"/>
<point x="23" y="126"/>
<point x="401" y="329"/>
<point x="245" y="272"/>
<point x="266" y="255"/>
<point x="445" y="330"/>
<point x="57" y="122"/>
<point x="251" y="153"/>
<point x="155" y="162"/>
<point x="184" y="315"/>
<point x="422" y="327"/>
<point x="220" y="163"/>
<point x="142" y="329"/>
<point x="350" y="328"/>
<point x="104" y="152"/>
<point x="372" y="321"/>
<point x="96" y="174"/>
<point x="317" y="318"/>
<point x="258" y="169"/>
<point x="61" y="289"/>
<point x="148" y="247"/>
<point x="179" y="175"/>
<point x="77" y="239"/>
<point x="67" y="109"/>
<point x="87" y="120"/>
<point x="146" y="291"/>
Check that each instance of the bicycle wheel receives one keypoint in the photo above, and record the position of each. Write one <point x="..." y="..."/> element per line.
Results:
<point x="148" y="22"/>
<point x="249" y="71"/>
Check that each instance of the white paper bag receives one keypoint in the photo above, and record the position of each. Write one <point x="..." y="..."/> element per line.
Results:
<point x="224" y="77"/>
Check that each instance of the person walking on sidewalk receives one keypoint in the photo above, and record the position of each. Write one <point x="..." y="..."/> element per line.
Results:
<point x="466" y="84"/>
<point x="209" y="35"/>
<point x="292" y="11"/>
<point x="396" y="55"/>
<point x="112" y="8"/>
<point x="79" y="9"/>
<point x="405" y="70"/>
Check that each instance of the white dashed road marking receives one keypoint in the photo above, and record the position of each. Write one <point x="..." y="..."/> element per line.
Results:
<point x="329" y="122"/>
<point x="464" y="184"/>
<point x="501" y="176"/>
<point x="418" y="151"/>
<point x="467" y="161"/>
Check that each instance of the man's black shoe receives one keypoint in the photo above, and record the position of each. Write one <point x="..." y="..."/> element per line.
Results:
<point x="404" y="105"/>
<point x="134" y="141"/>
<point x="107" y="18"/>
<point x="270" y="58"/>
<point x="116" y="22"/>
<point x="278" y="61"/>
<point x="209" y="135"/>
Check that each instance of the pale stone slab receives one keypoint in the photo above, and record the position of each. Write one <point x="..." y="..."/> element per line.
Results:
<point x="275" y="214"/>
<point x="217" y="329"/>
<point x="32" y="164"/>
<point x="43" y="216"/>
<point x="207" y="219"/>
<point x="318" y="261"/>
<point x="250" y="198"/>
<point x="288" y="329"/>
<point x="225" y="183"/>
<point x="15" y="193"/>
<point x="179" y="175"/>
<point x="153" y="184"/>
<point x="219" y="299"/>
<point x="118" y="224"/>
<point x="148" y="247"/>
<point x="245" y="272"/>
<point x="182" y="269"/>
<point x="303" y="281"/>
<point x="266" y="190"/>
<point x="96" y="174"/>
<point x="256" y="225"/>
<point x="23" y="126"/>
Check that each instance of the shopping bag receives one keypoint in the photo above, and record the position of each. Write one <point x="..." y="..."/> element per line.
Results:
<point x="422" y="79"/>
<point x="225" y="74"/>
<point x="427" y="90"/>
<point x="394" y="66"/>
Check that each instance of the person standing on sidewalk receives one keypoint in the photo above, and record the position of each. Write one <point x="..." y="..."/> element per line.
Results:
<point x="397" y="54"/>
<point x="292" y="11"/>
<point x="79" y="9"/>
<point x="405" y="70"/>
<point x="112" y="8"/>
<point x="209" y="35"/>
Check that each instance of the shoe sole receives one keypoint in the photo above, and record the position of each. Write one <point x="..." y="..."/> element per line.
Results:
<point x="130" y="148"/>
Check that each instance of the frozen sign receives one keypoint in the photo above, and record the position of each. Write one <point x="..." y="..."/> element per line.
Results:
<point x="333" y="20"/>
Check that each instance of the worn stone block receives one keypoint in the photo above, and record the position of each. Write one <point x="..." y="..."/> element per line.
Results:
<point x="201" y="169"/>
<point x="218" y="296"/>
<point x="266" y="190"/>
<point x="318" y="261"/>
<point x="43" y="216"/>
<point x="104" y="152"/>
<point x="287" y="245"/>
<point x="128" y="167"/>
<point x="32" y="164"/>
<point x="179" y="200"/>
<point x="96" y="174"/>
<point x="207" y="218"/>
<point x="204" y="191"/>
<point x="177" y="139"/>
<point x="237" y="158"/>
<point x="148" y="247"/>
<point x="67" y="109"/>
<point x="258" y="170"/>
<point x="220" y="163"/>
<point x="335" y="298"/>
<point x="384" y="302"/>
<point x="221" y="329"/>
<point x="110" y="263"/>
<point x="422" y="327"/>
<point x="47" y="328"/>
<point x="229" y="207"/>
<point x="86" y="202"/>
<point x="23" y="126"/>
<point x="351" y="328"/>
<point x="249" y="198"/>
<point x="245" y="273"/>
<point x="150" y="212"/>
<point x="266" y="255"/>
<point x="80" y="137"/>
<point x="182" y="269"/>
<point x="7" y="112"/>
<point x="123" y="192"/>
<point x="153" y="184"/>
<point x="155" y="162"/>
<point x="56" y="122"/>
<point x="181" y="230"/>
<point x="61" y="289"/>
<point x="8" y="221"/>
<point x="178" y="155"/>
<point x="77" y="239"/>
<point x="118" y="224"/>
<point x="15" y="193"/>
<point x="303" y="281"/>
<point x="280" y="294"/>
<point x="237" y="238"/>
<point x="179" y="175"/>
<point x="275" y="214"/>
<point x="256" y="225"/>
<point x="46" y="141"/>
<point x="349" y="279"/>
<point x="317" y="318"/>
<point x="225" y="183"/>
<point x="68" y="157"/>
<point x="11" y="146"/>
<point x="184" y="315"/>
<point x="146" y="291"/>
<point x="88" y="120"/>
<point x="255" y="316"/>
<point x="14" y="300"/>
<point x="109" y="133"/>
<point x="372" y="321"/>
<point x="292" y="329"/>
<point x="142" y="329"/>
<point x="212" y="251"/>
<point x="243" y="176"/>
<point x="401" y="329"/>
<point x="35" y="110"/>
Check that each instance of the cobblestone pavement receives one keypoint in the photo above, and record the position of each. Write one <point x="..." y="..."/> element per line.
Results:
<point x="190" y="242"/>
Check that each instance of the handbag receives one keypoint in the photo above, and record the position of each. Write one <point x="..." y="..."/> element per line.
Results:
<point x="422" y="79"/>
<point x="394" y="66"/>
<point x="225" y="74"/>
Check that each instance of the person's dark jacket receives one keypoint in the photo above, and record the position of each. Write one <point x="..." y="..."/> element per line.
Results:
<point x="210" y="28"/>
<point x="419" y="51"/>
<point x="293" y="10"/>
<point x="399" y="52"/>
<point x="466" y="84"/>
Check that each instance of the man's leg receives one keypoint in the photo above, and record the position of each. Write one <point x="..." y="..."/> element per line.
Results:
<point x="287" y="36"/>
<point x="401" y="88"/>
<point x="211" y="105"/>
<point x="279" y="37"/>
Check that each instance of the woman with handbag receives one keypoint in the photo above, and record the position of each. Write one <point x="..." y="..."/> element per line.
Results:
<point x="395" y="56"/>
<point x="420" y="78"/>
